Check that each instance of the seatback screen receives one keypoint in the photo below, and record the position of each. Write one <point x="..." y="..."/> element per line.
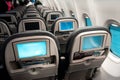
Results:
<point x="32" y="26"/>
<point x="92" y="42"/>
<point x="32" y="49"/>
<point x="54" y="16"/>
<point x="66" y="26"/>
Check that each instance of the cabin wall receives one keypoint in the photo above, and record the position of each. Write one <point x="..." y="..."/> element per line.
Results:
<point x="81" y="7"/>
<point x="99" y="11"/>
<point x="105" y="10"/>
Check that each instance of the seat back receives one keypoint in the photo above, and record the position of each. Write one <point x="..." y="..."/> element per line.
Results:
<point x="86" y="50"/>
<point x="31" y="15"/>
<point x="62" y="28"/>
<point x="12" y="21"/>
<point x="45" y="12"/>
<point x="64" y="25"/>
<point x="4" y="31"/>
<point x="31" y="11"/>
<point x="20" y="9"/>
<point x="9" y="18"/>
<point x="4" y="34"/>
<point x="16" y="13"/>
<point x="43" y="8"/>
<point x="32" y="56"/>
<point x="28" y="24"/>
<point x="51" y="17"/>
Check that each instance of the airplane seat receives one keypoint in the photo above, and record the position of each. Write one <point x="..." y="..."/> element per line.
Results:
<point x="20" y="9"/>
<point x="39" y="8"/>
<point x="31" y="56"/>
<point x="51" y="17"/>
<point x="62" y="28"/>
<point x="28" y="24"/>
<point x="4" y="34"/>
<point x="29" y="15"/>
<point x="43" y="8"/>
<point x="16" y="13"/>
<point x="86" y="50"/>
<point x="31" y="8"/>
<point x="31" y="11"/>
<point x="4" y="30"/>
<point x="45" y="12"/>
<point x="87" y="20"/>
<point x="12" y="21"/>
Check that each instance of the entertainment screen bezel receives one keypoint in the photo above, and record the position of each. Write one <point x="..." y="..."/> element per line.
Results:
<point x="102" y="47"/>
<point x="30" y="58"/>
<point x="54" y="19"/>
<point x="31" y="22"/>
<point x="66" y="30"/>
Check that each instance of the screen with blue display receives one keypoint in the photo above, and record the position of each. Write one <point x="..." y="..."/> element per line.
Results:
<point x="92" y="42"/>
<point x="66" y="26"/>
<point x="32" y="49"/>
<point x="88" y="22"/>
<point x="115" y="44"/>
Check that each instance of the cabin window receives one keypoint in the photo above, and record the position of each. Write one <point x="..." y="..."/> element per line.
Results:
<point x="115" y="44"/>
<point x="87" y="19"/>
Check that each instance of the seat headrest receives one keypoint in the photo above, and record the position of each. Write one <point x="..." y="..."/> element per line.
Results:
<point x="65" y="24"/>
<point x="98" y="38"/>
<point x="53" y="15"/>
<point x="36" y="24"/>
